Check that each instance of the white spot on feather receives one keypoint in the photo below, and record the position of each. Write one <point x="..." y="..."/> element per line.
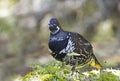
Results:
<point x="70" y="47"/>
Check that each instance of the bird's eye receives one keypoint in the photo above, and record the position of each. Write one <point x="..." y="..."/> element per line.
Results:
<point x="50" y="25"/>
<point x="54" y="24"/>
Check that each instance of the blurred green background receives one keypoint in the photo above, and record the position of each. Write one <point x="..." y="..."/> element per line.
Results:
<point x="24" y="31"/>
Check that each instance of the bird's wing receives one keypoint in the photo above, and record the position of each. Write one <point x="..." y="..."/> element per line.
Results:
<point x="84" y="49"/>
<point x="82" y="46"/>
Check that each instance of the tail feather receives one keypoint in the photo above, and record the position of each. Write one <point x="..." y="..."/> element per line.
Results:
<point x="94" y="63"/>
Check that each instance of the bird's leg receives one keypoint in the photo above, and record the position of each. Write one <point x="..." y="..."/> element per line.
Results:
<point x="75" y="73"/>
<point x="73" y="70"/>
<point x="63" y="64"/>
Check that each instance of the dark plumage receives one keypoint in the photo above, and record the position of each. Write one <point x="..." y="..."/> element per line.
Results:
<point x="70" y="47"/>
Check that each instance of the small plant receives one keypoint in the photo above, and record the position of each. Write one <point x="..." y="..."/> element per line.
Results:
<point x="56" y="71"/>
<point x="108" y="77"/>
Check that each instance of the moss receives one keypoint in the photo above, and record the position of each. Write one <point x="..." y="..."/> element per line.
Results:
<point x="108" y="77"/>
<point x="49" y="77"/>
<point x="56" y="71"/>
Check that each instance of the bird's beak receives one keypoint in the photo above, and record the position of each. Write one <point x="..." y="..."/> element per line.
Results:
<point x="51" y="27"/>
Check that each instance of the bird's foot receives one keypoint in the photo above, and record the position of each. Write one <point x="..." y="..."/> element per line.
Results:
<point x="74" y="75"/>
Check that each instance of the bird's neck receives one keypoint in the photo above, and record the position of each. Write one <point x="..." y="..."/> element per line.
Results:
<point x="56" y="32"/>
<point x="60" y="35"/>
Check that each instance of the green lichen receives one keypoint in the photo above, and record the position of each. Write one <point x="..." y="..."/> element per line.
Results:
<point x="56" y="71"/>
<point x="108" y="77"/>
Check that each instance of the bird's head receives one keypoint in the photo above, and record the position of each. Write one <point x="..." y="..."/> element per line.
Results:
<point x="54" y="26"/>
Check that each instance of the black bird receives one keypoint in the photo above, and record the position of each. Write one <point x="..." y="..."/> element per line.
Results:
<point x="70" y="47"/>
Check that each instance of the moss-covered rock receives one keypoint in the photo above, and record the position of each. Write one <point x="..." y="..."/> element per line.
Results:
<point x="56" y="71"/>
